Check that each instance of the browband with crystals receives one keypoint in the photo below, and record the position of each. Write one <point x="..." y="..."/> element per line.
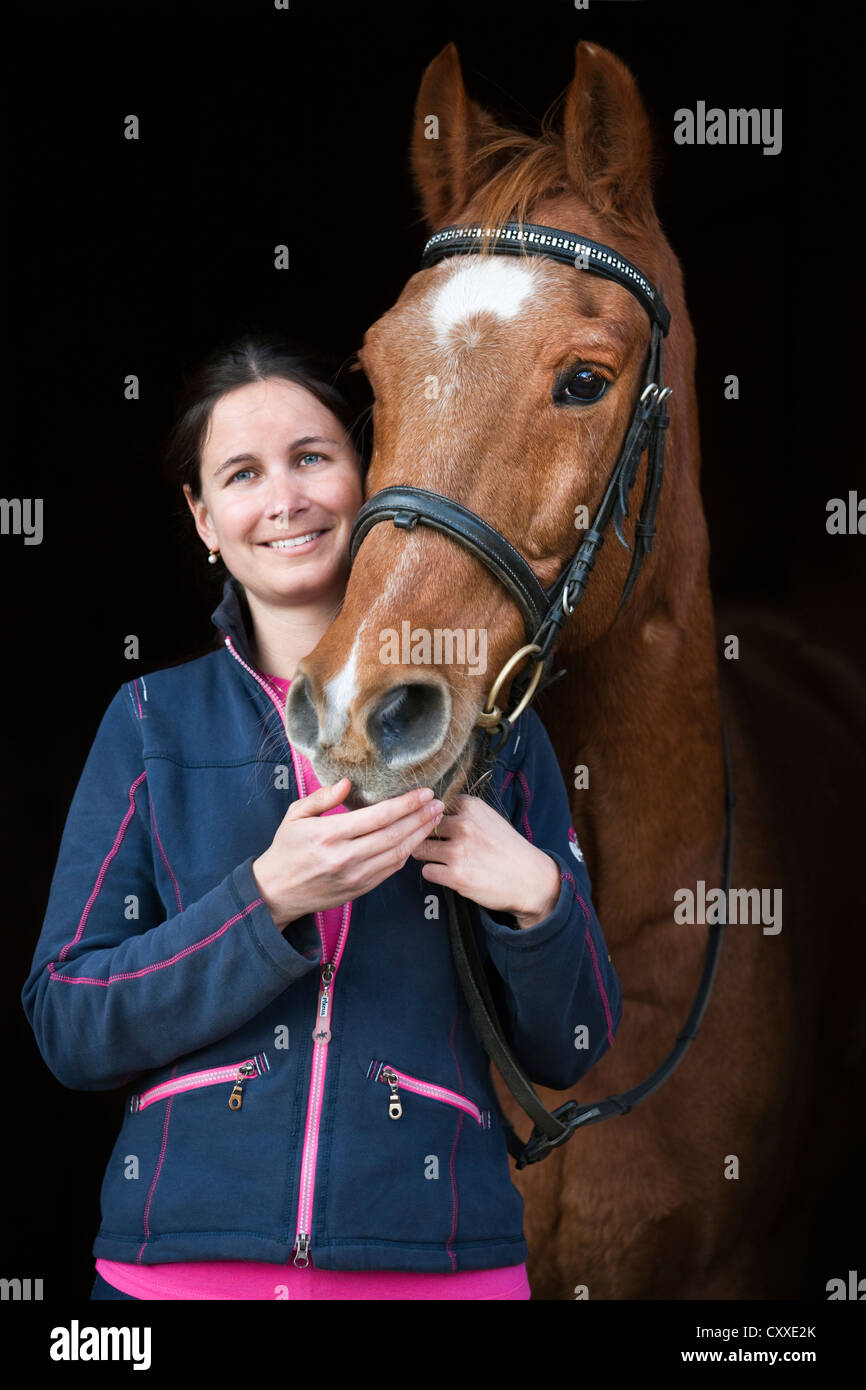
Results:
<point x="517" y="238"/>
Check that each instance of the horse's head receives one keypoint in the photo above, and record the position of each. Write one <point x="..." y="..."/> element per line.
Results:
<point x="507" y="384"/>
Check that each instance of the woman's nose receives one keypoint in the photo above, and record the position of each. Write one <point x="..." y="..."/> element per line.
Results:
<point x="284" y="500"/>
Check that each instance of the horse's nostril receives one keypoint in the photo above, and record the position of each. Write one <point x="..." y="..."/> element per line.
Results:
<point x="408" y="722"/>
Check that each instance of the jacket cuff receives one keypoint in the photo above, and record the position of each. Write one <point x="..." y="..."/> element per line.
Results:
<point x="291" y="961"/>
<point x="527" y="938"/>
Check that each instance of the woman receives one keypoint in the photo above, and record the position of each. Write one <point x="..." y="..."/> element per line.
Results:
<point x="264" y="971"/>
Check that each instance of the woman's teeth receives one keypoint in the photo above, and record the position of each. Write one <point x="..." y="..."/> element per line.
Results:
<point x="295" y="540"/>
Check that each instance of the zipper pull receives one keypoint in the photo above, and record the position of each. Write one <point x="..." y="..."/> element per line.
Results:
<point x="236" y="1099"/>
<point x="302" y="1254"/>
<point x="395" y="1109"/>
<point x="322" y="1032"/>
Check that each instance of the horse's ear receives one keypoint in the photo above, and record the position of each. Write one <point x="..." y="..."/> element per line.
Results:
<point x="448" y="130"/>
<point x="606" y="136"/>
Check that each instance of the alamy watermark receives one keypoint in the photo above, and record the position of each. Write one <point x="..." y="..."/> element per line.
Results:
<point x="22" y="516"/>
<point x="77" y="1343"/>
<point x="444" y="646"/>
<point x="736" y="126"/>
<point x="20" y="1290"/>
<point x="741" y="905"/>
<point x="846" y="516"/>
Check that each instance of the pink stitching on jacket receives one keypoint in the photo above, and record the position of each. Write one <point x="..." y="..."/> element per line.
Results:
<point x="158" y="1170"/>
<point x="577" y="895"/>
<point x="160" y="964"/>
<point x="452" y="1257"/>
<point x="135" y="688"/>
<point x="604" y="999"/>
<point x="592" y="951"/>
<point x="527" y="799"/>
<point x="165" y="860"/>
<point x="118" y="841"/>
<point x="601" y="988"/>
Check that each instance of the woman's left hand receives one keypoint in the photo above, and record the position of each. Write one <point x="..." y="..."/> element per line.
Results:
<point x="479" y="854"/>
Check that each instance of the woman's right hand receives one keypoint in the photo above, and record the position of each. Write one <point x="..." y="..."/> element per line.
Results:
<point x="315" y="862"/>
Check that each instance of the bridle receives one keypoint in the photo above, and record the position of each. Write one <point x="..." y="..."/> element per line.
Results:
<point x="545" y="611"/>
<point x="544" y="614"/>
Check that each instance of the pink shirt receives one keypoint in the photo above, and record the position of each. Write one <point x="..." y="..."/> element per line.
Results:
<point x="246" y="1279"/>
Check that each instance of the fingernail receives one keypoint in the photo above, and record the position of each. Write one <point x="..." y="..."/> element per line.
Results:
<point x="438" y="806"/>
<point x="426" y="794"/>
<point x="436" y="822"/>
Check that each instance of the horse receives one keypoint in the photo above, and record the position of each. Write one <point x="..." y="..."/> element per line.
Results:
<point x="705" y="1189"/>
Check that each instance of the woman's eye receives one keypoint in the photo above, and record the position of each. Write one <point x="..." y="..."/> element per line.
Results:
<point x="584" y="385"/>
<point x="241" y="471"/>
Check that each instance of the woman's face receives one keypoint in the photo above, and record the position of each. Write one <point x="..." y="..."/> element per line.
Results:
<point x="276" y="466"/>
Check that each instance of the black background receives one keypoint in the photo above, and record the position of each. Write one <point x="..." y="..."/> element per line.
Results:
<point x="261" y="127"/>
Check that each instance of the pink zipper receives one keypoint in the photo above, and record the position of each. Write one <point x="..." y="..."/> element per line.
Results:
<point x="321" y="1027"/>
<point x="239" y="1072"/>
<point x="268" y="689"/>
<point x="321" y="1038"/>
<point x="383" y="1071"/>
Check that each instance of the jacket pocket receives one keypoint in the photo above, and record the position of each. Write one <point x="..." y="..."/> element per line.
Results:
<point x="398" y="1082"/>
<point x="233" y="1076"/>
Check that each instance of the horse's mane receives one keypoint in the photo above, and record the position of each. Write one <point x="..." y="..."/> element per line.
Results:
<point x="534" y="167"/>
<point x="520" y="170"/>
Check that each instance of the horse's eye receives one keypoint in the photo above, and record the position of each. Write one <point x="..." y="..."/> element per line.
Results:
<point x="585" y="385"/>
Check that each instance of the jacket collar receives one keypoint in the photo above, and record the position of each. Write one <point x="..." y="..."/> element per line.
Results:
<point x="232" y="616"/>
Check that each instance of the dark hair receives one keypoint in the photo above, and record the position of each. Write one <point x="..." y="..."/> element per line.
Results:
<point x="253" y="357"/>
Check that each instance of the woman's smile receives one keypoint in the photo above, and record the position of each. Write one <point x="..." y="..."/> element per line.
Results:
<point x="292" y="545"/>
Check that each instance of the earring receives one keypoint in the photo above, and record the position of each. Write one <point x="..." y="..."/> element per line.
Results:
<point x="214" y="556"/>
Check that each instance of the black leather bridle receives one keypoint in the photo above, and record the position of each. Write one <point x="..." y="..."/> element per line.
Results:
<point x="544" y="614"/>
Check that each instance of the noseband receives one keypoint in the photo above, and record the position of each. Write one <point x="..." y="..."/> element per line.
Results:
<point x="545" y="611"/>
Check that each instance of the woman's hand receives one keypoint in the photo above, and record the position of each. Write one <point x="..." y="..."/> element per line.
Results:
<point x="479" y="853"/>
<point x="316" y="862"/>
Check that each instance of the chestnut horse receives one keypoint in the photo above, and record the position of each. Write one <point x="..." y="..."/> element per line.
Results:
<point x="703" y="1190"/>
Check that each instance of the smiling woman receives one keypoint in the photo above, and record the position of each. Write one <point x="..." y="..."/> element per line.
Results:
<point x="273" y="480"/>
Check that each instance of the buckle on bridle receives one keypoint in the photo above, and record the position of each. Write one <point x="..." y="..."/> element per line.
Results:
<point x="659" y="395"/>
<point x="489" y="718"/>
<point x="652" y="398"/>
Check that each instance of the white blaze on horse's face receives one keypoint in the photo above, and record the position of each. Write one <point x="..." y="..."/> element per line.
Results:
<point x="489" y="286"/>
<point x="340" y="693"/>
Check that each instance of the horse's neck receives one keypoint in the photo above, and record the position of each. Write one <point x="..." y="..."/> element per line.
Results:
<point x="640" y="710"/>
